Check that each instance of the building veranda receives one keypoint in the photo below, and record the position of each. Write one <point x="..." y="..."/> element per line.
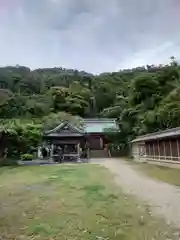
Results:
<point x="163" y="146"/>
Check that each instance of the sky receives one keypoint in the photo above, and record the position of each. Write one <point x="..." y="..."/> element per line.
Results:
<point x="91" y="35"/>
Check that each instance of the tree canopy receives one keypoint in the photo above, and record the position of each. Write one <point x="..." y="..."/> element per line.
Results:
<point x="143" y="99"/>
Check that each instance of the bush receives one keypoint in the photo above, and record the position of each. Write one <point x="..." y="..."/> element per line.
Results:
<point x="118" y="149"/>
<point x="8" y="162"/>
<point x="27" y="157"/>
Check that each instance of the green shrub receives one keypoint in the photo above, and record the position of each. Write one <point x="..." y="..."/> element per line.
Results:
<point x="8" y="162"/>
<point x="27" y="157"/>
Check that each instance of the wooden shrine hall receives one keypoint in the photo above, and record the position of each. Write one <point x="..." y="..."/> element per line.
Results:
<point x="67" y="142"/>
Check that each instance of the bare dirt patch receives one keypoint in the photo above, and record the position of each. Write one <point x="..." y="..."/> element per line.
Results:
<point x="163" y="198"/>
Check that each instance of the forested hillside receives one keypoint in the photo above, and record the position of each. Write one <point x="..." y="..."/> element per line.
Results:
<point x="143" y="99"/>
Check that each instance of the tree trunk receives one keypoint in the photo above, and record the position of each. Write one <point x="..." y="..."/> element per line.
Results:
<point x="2" y="144"/>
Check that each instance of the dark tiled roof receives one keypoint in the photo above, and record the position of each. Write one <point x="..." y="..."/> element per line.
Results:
<point x="99" y="125"/>
<point x="64" y="135"/>
<point x="159" y="135"/>
<point x="90" y="125"/>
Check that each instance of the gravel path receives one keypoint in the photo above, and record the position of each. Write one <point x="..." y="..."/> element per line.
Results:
<point x="162" y="197"/>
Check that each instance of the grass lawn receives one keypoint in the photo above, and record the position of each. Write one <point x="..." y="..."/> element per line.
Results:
<point x="165" y="174"/>
<point x="72" y="202"/>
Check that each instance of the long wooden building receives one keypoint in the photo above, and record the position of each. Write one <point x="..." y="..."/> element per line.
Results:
<point x="161" y="146"/>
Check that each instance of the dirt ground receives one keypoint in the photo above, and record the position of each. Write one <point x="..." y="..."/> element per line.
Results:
<point x="163" y="198"/>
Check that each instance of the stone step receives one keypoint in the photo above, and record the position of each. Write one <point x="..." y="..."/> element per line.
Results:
<point x="99" y="154"/>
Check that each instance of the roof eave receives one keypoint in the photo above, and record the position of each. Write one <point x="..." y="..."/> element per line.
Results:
<point x="158" y="136"/>
<point x="61" y="125"/>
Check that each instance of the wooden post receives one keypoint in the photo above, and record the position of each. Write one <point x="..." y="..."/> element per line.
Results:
<point x="145" y="158"/>
<point x="52" y="151"/>
<point x="39" y="153"/>
<point x="177" y="142"/>
<point x="170" y="149"/>
<point x="158" y="149"/>
<point x="164" y="149"/>
<point x="78" y="153"/>
<point x="149" y="150"/>
<point x="135" y="151"/>
<point x="153" y="151"/>
<point x="101" y="143"/>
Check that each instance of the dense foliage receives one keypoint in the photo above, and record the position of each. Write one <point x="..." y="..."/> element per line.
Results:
<point x="22" y="136"/>
<point x="144" y="99"/>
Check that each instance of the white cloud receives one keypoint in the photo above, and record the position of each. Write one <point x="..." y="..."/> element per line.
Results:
<point x="93" y="35"/>
<point x="157" y="55"/>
